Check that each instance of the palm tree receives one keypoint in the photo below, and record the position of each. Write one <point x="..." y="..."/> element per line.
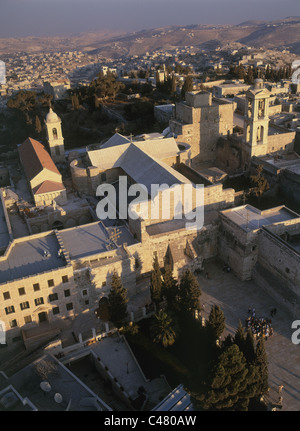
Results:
<point x="163" y="330"/>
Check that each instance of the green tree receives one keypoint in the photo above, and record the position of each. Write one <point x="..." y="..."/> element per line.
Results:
<point x="45" y="99"/>
<point x="24" y="101"/>
<point x="189" y="293"/>
<point x="241" y="73"/>
<point x="187" y="86"/>
<point x="228" y="387"/>
<point x="249" y="79"/>
<point x="249" y="347"/>
<point x="261" y="364"/>
<point x="163" y="329"/>
<point x="156" y="283"/>
<point x="216" y="322"/>
<point x="117" y="301"/>
<point x="75" y="102"/>
<point x="38" y="126"/>
<point x="260" y="182"/>
<point x="173" y="84"/>
<point x="239" y="337"/>
<point x="170" y="289"/>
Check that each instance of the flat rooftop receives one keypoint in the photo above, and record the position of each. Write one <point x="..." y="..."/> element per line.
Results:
<point x="74" y="395"/>
<point x="85" y="240"/>
<point x="249" y="218"/>
<point x="4" y="235"/>
<point x="93" y="238"/>
<point x="27" y="258"/>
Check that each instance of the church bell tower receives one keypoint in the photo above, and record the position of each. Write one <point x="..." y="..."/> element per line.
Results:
<point x="256" y="121"/>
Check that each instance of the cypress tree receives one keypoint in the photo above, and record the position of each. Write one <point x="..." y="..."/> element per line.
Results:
<point x="75" y="102"/>
<point x="189" y="293"/>
<point x="156" y="283"/>
<point x="249" y="347"/>
<point x="117" y="301"/>
<point x="261" y="364"/>
<point x="38" y="126"/>
<point x="239" y="337"/>
<point x="216" y="321"/>
<point x="187" y="86"/>
<point x="170" y="289"/>
<point x="173" y="84"/>
<point x="228" y="385"/>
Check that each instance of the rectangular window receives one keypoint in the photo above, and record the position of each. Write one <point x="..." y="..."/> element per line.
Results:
<point x="9" y="310"/>
<point x="53" y="297"/>
<point x="39" y="301"/>
<point x="69" y="306"/>
<point x="84" y="292"/>
<point x="50" y="283"/>
<point x="21" y="291"/>
<point x="6" y="295"/>
<point x="27" y="319"/>
<point x="36" y="287"/>
<point x="65" y="279"/>
<point x="55" y="310"/>
<point x="13" y="323"/>
<point x="24" y="305"/>
<point x="67" y="293"/>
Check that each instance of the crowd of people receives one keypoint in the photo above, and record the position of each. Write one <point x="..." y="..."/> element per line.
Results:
<point x="259" y="326"/>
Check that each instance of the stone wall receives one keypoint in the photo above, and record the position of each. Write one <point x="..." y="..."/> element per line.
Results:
<point x="289" y="185"/>
<point x="70" y="218"/>
<point x="202" y="127"/>
<point x="281" y="141"/>
<point x="238" y="248"/>
<point x="282" y="262"/>
<point x="30" y="296"/>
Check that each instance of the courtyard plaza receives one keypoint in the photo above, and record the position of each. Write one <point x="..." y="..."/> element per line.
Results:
<point x="234" y="297"/>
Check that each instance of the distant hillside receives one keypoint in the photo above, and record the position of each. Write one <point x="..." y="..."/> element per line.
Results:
<point x="279" y="34"/>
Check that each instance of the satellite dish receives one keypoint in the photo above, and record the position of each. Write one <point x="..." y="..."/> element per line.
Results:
<point x="45" y="386"/>
<point x="58" y="398"/>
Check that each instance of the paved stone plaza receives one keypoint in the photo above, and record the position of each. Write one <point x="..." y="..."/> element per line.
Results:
<point x="234" y="297"/>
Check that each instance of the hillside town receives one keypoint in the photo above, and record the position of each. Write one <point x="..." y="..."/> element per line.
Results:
<point x="106" y="306"/>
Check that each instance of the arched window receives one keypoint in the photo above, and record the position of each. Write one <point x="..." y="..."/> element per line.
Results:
<point x="261" y="108"/>
<point x="54" y="133"/>
<point x="248" y="133"/>
<point x="260" y="133"/>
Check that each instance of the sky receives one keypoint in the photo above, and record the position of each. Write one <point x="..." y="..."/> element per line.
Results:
<point x="20" y="18"/>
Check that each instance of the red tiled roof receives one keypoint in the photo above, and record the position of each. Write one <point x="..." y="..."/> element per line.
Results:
<point x="35" y="158"/>
<point x="48" y="187"/>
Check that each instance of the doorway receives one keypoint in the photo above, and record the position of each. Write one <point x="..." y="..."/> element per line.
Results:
<point x="43" y="317"/>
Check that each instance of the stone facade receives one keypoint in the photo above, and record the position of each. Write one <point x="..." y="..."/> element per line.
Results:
<point x="279" y="263"/>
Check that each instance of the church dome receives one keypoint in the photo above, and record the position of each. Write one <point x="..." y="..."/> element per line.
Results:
<point x="51" y="117"/>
